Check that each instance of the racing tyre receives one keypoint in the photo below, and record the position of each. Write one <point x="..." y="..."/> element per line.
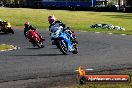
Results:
<point x="63" y="47"/>
<point x="37" y="44"/>
<point x="75" y="49"/>
<point x="11" y="31"/>
<point x="40" y="45"/>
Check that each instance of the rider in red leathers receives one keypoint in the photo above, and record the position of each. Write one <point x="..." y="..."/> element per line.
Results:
<point x="29" y="27"/>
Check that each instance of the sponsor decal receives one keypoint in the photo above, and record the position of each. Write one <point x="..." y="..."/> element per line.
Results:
<point x="82" y="77"/>
<point x="107" y="78"/>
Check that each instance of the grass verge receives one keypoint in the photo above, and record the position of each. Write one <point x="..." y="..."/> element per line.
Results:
<point x="77" y="20"/>
<point x="5" y="47"/>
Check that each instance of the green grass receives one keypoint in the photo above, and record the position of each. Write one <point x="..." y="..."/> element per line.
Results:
<point x="77" y="20"/>
<point x="5" y="47"/>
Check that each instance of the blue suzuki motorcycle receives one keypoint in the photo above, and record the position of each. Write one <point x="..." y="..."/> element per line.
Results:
<point x="62" y="41"/>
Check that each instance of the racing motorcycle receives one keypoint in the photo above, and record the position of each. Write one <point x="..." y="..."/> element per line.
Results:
<point x="62" y="41"/>
<point x="34" y="38"/>
<point x="71" y="33"/>
<point x="6" y="28"/>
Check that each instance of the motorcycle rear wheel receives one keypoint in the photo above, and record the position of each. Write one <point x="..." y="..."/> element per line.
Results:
<point x="40" y="45"/>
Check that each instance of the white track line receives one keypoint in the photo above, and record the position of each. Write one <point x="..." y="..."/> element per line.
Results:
<point x="97" y="32"/>
<point x="106" y="33"/>
<point x="110" y="33"/>
<point x="123" y="34"/>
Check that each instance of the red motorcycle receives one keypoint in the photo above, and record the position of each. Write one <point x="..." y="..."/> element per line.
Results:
<point x="34" y="38"/>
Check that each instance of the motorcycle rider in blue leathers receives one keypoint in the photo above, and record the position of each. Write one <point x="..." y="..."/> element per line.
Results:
<point x="56" y="23"/>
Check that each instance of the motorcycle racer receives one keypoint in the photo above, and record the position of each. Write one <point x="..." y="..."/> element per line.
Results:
<point x="56" y="23"/>
<point x="3" y="23"/>
<point x="5" y="27"/>
<point x="0" y="22"/>
<point x="34" y="38"/>
<point x="30" y="27"/>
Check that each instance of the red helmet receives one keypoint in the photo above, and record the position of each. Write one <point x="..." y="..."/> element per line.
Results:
<point x="51" y="19"/>
<point x="27" y="23"/>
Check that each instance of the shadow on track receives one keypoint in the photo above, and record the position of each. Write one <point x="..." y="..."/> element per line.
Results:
<point x="2" y="33"/>
<point x="54" y="48"/>
<point x="33" y="48"/>
<point x="40" y="55"/>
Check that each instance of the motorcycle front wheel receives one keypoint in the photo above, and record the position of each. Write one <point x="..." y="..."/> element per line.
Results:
<point x="11" y="30"/>
<point x="63" y="47"/>
<point x="75" y="49"/>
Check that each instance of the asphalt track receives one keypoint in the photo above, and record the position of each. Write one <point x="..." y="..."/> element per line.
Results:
<point x="97" y="51"/>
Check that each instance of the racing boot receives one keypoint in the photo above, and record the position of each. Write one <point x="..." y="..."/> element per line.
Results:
<point x="74" y="40"/>
<point x="41" y="39"/>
